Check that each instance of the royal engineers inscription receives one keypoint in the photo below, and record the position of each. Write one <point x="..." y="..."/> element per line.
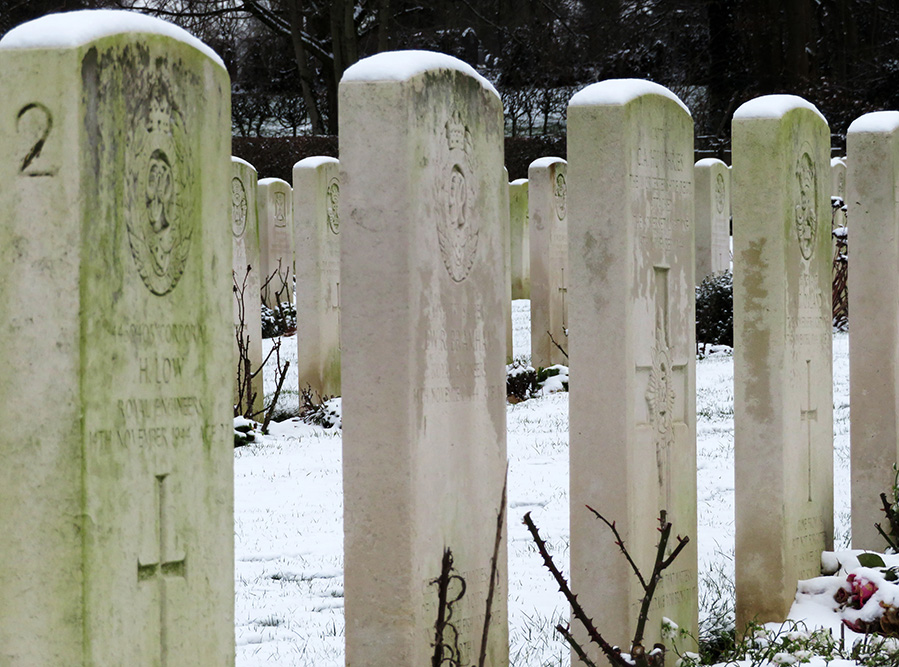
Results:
<point x="120" y="138"/>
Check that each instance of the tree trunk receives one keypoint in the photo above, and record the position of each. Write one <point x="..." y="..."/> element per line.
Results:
<point x="299" y="50"/>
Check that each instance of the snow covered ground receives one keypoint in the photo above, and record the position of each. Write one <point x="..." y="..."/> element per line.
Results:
<point x="288" y="519"/>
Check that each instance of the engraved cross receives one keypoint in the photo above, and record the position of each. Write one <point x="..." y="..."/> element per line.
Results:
<point x="807" y="415"/>
<point x="563" y="290"/>
<point x="165" y="566"/>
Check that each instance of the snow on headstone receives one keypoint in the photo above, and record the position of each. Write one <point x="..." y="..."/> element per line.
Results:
<point x="633" y="407"/>
<point x="520" y="242"/>
<point x="783" y="423"/>
<point x="424" y="343"/>
<point x="712" y="206"/>
<point x="548" y="216"/>
<point x="316" y="197"/>
<point x="246" y="266"/>
<point x="117" y="480"/>
<point x="873" y="174"/>
<point x="274" y="200"/>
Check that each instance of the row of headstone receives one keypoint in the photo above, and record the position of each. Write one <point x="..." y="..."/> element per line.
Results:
<point x="127" y="492"/>
<point x="269" y="221"/>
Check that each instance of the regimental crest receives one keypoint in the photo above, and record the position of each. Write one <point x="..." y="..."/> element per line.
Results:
<point x="560" y="195"/>
<point x="720" y="193"/>
<point x="280" y="200"/>
<point x="660" y="398"/>
<point x="457" y="221"/>
<point x="332" y="201"/>
<point x="239" y="208"/>
<point x="806" y="219"/>
<point x="160" y="203"/>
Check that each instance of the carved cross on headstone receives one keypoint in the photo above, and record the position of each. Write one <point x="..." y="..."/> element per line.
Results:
<point x="165" y="566"/>
<point x="563" y="290"/>
<point x="662" y="379"/>
<point x="807" y="415"/>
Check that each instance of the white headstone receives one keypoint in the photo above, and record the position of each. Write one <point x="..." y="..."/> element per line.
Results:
<point x="316" y="193"/>
<point x="632" y="405"/>
<point x="783" y="392"/>
<point x="520" y="242"/>
<point x="838" y="188"/>
<point x="507" y="261"/>
<point x="274" y="201"/>
<point x="117" y="500"/>
<point x="247" y="300"/>
<point x="424" y="340"/>
<point x="873" y="152"/>
<point x="548" y="214"/>
<point x="712" y="204"/>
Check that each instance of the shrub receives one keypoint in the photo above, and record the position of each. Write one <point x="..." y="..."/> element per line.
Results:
<point x="715" y="310"/>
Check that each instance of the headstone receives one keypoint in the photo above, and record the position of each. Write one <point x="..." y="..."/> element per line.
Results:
<point x="424" y="439"/>
<point x="316" y="193"/>
<point x="783" y="391"/>
<point x="632" y="406"/>
<point x="117" y="517"/>
<point x="712" y="204"/>
<point x="838" y="189"/>
<point x="548" y="214"/>
<point x="507" y="261"/>
<point x="521" y="247"/>
<point x="873" y="151"/>
<point x="274" y="200"/>
<point x="247" y="301"/>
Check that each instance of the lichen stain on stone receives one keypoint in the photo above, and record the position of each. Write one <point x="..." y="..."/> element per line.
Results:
<point x="757" y="336"/>
<point x="597" y="260"/>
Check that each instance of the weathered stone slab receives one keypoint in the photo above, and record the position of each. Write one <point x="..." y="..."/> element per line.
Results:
<point x="507" y="261"/>
<point x="838" y="187"/>
<point x="424" y="440"/>
<point x="712" y="206"/>
<point x="117" y="517"/>
<point x="783" y="388"/>
<point x="873" y="156"/>
<point x="246" y="260"/>
<point x="633" y="408"/>
<point x="521" y="247"/>
<point x="274" y="202"/>
<point x="548" y="214"/>
<point x="316" y="192"/>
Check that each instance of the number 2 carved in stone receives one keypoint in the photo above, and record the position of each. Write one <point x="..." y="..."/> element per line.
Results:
<point x="34" y="122"/>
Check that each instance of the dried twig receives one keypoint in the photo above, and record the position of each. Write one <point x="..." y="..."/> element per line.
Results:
<point x="561" y="349"/>
<point x="494" y="566"/>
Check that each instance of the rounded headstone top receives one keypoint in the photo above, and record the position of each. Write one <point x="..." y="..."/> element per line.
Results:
<point x="315" y="162"/>
<point x="544" y="162"/>
<point x="242" y="162"/>
<point x="834" y="161"/>
<point x="73" y="29"/>
<point x="774" y="106"/>
<point x="709" y="162"/>
<point x="519" y="181"/>
<point x="618" y="92"/>
<point x="264" y="182"/>
<point x="876" y="121"/>
<point x="403" y="65"/>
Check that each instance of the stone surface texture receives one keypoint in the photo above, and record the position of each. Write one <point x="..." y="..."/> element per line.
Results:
<point x="274" y="202"/>
<point x="316" y="198"/>
<point x="548" y="214"/>
<point x="783" y="418"/>
<point x="873" y="170"/>
<point x="117" y="525"/>
<point x="633" y="406"/>
<point x="424" y="341"/>
<point x="520" y="241"/>
<point x="712" y="204"/>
